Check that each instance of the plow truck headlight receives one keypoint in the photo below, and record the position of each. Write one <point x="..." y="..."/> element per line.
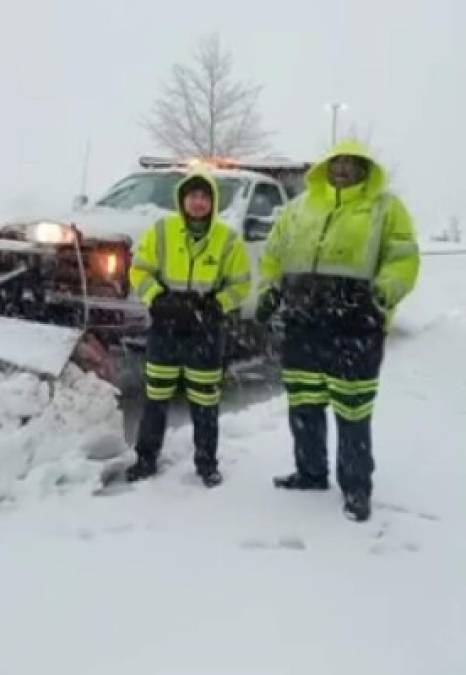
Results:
<point x="111" y="264"/>
<point x="51" y="233"/>
<point x="106" y="265"/>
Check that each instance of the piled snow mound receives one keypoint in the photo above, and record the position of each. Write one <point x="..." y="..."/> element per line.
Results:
<point x="56" y="434"/>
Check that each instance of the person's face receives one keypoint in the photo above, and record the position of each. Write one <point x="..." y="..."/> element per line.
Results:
<point x="346" y="170"/>
<point x="197" y="204"/>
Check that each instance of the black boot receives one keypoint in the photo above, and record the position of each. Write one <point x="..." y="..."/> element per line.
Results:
<point x="357" y="505"/>
<point x="298" y="481"/>
<point x="211" y="478"/>
<point x="144" y="468"/>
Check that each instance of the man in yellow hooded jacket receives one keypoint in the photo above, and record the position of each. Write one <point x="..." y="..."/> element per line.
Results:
<point x="190" y="269"/>
<point x="338" y="261"/>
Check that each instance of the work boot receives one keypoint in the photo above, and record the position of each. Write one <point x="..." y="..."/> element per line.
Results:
<point x="298" y="481"/>
<point x="211" y="478"/>
<point x="357" y="505"/>
<point x="144" y="468"/>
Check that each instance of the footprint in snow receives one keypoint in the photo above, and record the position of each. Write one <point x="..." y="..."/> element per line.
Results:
<point x="384" y="544"/>
<point x="286" y="543"/>
<point x="411" y="546"/>
<point x="386" y="548"/>
<point x="292" y="543"/>
<point x="396" y="508"/>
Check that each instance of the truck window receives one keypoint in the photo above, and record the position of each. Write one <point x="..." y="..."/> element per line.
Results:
<point x="260" y="215"/>
<point x="158" y="188"/>
<point x="264" y="199"/>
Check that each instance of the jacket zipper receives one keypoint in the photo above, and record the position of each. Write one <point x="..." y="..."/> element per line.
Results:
<point x="192" y="261"/>
<point x="324" y="231"/>
<point x="321" y="241"/>
<point x="190" y="275"/>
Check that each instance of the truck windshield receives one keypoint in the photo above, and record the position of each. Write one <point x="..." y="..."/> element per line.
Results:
<point x="158" y="189"/>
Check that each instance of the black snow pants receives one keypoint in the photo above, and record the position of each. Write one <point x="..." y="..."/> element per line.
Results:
<point x="321" y="368"/>
<point x="193" y="360"/>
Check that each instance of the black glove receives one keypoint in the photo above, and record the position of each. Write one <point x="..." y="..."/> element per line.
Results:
<point x="167" y="305"/>
<point x="176" y="305"/>
<point x="267" y="305"/>
<point x="190" y="301"/>
<point x="211" y="308"/>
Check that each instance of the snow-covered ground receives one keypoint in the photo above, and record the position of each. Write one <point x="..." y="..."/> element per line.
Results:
<point x="168" y="578"/>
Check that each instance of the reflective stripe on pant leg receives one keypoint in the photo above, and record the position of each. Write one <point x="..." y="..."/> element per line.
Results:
<point x="353" y="400"/>
<point x="305" y="387"/>
<point x="203" y="386"/>
<point x="157" y="393"/>
<point x="162" y="372"/>
<point x="203" y="376"/>
<point x="161" y="381"/>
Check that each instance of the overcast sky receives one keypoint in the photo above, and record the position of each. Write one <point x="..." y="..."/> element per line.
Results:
<point x="72" y="70"/>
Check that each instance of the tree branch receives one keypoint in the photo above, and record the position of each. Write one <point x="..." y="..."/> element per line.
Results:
<point x="204" y="111"/>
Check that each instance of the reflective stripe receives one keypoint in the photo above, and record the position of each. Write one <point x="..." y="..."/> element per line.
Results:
<point x="174" y="286"/>
<point x="342" y="271"/>
<point x="162" y="372"/>
<point x="373" y="249"/>
<point x="203" y="399"/>
<point x="199" y="286"/>
<point x="308" y="398"/>
<point x="400" y="250"/>
<point x="352" y="414"/>
<point x="349" y="387"/>
<point x="297" y="270"/>
<point x="160" y="393"/>
<point x="203" y="376"/>
<point x="239" y="279"/>
<point x="227" y="249"/>
<point x="302" y="377"/>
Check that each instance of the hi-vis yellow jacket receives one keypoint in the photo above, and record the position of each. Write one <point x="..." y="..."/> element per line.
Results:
<point x="167" y="258"/>
<point x="359" y="233"/>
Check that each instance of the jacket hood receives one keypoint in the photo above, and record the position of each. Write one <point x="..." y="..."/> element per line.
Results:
<point x="205" y="176"/>
<point x="317" y="179"/>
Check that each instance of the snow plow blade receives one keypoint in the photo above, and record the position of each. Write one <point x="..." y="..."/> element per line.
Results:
<point x="42" y="348"/>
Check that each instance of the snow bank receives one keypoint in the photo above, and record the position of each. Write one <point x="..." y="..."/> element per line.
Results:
<point x="54" y="435"/>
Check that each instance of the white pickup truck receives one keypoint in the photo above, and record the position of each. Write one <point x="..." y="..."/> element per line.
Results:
<point x="79" y="276"/>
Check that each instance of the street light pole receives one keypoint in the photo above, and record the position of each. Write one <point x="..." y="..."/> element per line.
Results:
<point x="335" y="109"/>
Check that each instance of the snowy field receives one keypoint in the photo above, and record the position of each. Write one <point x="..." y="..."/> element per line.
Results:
<point x="167" y="578"/>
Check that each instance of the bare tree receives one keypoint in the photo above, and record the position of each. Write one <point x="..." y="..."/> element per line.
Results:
<point x="204" y="111"/>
